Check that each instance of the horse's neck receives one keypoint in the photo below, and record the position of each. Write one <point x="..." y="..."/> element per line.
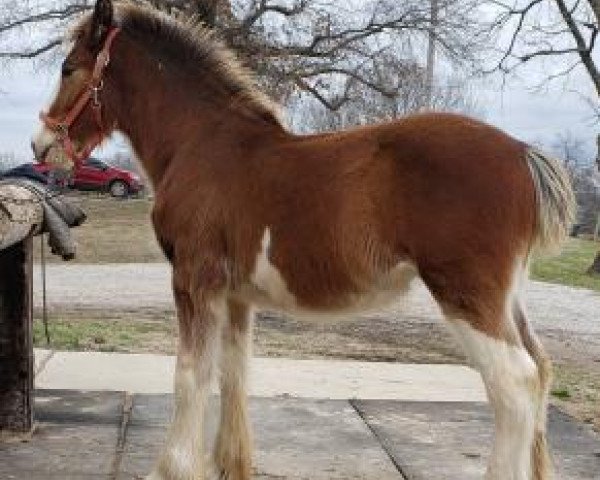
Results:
<point x="162" y="121"/>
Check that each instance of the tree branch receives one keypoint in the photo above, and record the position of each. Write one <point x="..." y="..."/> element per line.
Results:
<point x="59" y="14"/>
<point x="522" y="13"/>
<point x="265" y="7"/>
<point x="583" y="50"/>
<point x="29" y="54"/>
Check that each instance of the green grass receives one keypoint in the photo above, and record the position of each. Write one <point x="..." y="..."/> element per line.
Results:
<point x="561" y="393"/>
<point x="576" y="389"/>
<point x="106" y="335"/>
<point x="570" y="266"/>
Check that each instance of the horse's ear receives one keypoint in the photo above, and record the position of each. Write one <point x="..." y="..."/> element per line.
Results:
<point x="101" y="22"/>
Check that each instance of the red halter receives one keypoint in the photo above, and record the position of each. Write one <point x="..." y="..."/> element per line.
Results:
<point x="90" y="94"/>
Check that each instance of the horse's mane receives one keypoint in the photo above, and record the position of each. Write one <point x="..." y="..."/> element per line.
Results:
<point x="192" y="46"/>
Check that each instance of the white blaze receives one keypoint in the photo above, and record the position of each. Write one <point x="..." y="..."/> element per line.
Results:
<point x="44" y="137"/>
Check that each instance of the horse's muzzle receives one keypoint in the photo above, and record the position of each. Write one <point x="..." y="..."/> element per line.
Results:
<point x="41" y="143"/>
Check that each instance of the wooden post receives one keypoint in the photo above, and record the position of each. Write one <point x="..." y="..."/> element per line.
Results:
<point x="21" y="216"/>
<point x="16" y="338"/>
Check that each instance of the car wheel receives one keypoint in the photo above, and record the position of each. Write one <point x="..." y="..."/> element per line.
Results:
<point x="119" y="189"/>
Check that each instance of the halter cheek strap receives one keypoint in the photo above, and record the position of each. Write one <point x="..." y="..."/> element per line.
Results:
<point x="90" y="94"/>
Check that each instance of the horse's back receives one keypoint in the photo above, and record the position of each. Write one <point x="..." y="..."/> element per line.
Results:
<point x="443" y="195"/>
<point x="427" y="184"/>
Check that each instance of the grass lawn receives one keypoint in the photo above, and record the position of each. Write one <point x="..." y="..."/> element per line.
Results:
<point x="570" y="266"/>
<point x="577" y="391"/>
<point x="108" y="331"/>
<point x="116" y="231"/>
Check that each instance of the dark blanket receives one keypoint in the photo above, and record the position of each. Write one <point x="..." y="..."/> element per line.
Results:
<point x="25" y="170"/>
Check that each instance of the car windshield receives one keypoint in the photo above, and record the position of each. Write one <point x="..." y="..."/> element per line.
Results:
<point x="95" y="163"/>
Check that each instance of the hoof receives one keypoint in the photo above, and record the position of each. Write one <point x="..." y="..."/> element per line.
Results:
<point x="215" y="473"/>
<point x="237" y="472"/>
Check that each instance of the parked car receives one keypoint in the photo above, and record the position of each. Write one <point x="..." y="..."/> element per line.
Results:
<point x="94" y="174"/>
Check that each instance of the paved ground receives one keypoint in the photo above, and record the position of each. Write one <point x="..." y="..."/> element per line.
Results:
<point x="115" y="435"/>
<point x="269" y="377"/>
<point x="390" y="429"/>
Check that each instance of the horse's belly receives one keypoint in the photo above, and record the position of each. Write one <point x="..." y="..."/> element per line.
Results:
<point x="268" y="289"/>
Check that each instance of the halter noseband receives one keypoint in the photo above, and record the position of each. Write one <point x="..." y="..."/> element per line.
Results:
<point x="90" y="94"/>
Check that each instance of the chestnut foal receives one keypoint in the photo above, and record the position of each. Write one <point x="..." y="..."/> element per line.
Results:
<point x="252" y="215"/>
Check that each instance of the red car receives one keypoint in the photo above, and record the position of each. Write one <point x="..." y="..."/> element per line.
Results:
<point x="94" y="174"/>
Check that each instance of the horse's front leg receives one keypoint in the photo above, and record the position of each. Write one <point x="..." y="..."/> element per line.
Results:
<point x="233" y="448"/>
<point x="201" y="316"/>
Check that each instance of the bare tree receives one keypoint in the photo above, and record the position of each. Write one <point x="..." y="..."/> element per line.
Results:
<point x="411" y="92"/>
<point x="571" y="149"/>
<point x="311" y="46"/>
<point x="561" y="34"/>
<point x="584" y="177"/>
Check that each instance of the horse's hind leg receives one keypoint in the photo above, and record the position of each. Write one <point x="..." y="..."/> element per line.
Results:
<point x="483" y="320"/>
<point x="233" y="446"/>
<point x="540" y="458"/>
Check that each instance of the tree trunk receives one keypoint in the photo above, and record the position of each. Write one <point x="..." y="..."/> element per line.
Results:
<point x="595" y="267"/>
<point x="584" y="52"/>
<point x="595" y="4"/>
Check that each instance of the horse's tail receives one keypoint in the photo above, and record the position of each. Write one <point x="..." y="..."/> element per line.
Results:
<point x="555" y="201"/>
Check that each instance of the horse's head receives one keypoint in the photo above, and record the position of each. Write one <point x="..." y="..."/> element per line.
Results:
<point x="75" y="121"/>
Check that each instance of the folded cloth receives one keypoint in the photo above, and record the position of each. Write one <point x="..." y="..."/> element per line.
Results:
<point x="59" y="216"/>
<point x="25" y="170"/>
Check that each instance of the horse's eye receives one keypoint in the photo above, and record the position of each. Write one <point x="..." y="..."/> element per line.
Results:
<point x="67" y="69"/>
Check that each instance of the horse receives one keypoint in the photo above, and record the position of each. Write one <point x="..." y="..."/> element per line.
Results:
<point x="251" y="216"/>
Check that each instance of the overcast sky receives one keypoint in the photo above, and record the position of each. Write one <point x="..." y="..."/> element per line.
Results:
<point x="531" y="116"/>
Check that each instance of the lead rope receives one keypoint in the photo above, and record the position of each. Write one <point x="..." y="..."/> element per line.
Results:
<point x="44" y="308"/>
